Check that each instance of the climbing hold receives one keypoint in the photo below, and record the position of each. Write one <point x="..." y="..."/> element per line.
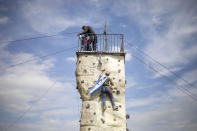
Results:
<point x="89" y="129"/>
<point x="86" y="56"/>
<point x="113" y="91"/>
<point x="91" y="121"/>
<point x="85" y="71"/>
<point x="115" y="108"/>
<point x="93" y="63"/>
<point x="120" y="80"/>
<point x="119" y="70"/>
<point x="120" y="106"/>
<point x="109" y="106"/>
<point x="87" y="106"/>
<point x="127" y="116"/>
<point x="79" y="61"/>
<point x="94" y="113"/>
<point x="115" y="88"/>
<point x="118" y="60"/>
<point x="118" y="92"/>
<point x="82" y="81"/>
<point x="102" y="120"/>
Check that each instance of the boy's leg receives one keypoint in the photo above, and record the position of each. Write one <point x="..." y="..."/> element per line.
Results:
<point x="82" y="45"/>
<point x="89" y="45"/>
<point x="94" y="43"/>
<point x="94" y="46"/>
<point x="103" y="94"/>
<point x="109" y="91"/>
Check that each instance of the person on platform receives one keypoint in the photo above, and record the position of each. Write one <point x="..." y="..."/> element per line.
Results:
<point x="84" y="42"/>
<point x="89" y="32"/>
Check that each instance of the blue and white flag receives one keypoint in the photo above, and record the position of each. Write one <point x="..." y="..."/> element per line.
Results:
<point x="97" y="85"/>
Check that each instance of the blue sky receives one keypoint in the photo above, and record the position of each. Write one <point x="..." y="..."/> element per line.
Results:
<point x="165" y="30"/>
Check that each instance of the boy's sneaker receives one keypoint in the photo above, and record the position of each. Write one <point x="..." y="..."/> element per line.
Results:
<point x="104" y="108"/>
<point x="115" y="108"/>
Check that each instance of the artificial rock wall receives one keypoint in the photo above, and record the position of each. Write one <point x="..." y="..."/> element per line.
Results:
<point x="87" y="72"/>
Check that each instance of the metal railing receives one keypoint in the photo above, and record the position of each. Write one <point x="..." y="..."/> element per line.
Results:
<point x="105" y="43"/>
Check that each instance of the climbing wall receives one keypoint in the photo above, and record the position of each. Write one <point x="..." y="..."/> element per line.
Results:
<point x="89" y="67"/>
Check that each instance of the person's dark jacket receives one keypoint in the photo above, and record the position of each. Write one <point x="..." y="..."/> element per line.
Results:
<point x="89" y="31"/>
<point x="92" y="37"/>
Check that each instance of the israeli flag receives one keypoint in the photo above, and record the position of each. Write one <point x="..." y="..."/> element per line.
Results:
<point x="97" y="85"/>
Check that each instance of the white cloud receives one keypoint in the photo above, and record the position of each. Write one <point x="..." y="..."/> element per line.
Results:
<point x="47" y="124"/>
<point x="123" y="25"/>
<point x="4" y="20"/>
<point x="177" y="116"/>
<point x="164" y="72"/>
<point x="156" y="20"/>
<point x="128" y="55"/>
<point x="156" y="99"/>
<point x="131" y="82"/>
<point x="72" y="59"/>
<point x="190" y="76"/>
<point x="172" y="111"/>
<point x="170" y="50"/>
<point x="140" y="102"/>
<point x="188" y="81"/>
<point x="22" y="83"/>
<point x="170" y="47"/>
<point x="47" y="18"/>
<point x="167" y="36"/>
<point x="169" y="28"/>
<point x="22" y="86"/>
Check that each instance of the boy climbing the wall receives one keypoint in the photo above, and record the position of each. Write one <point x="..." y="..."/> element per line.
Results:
<point x="106" y="90"/>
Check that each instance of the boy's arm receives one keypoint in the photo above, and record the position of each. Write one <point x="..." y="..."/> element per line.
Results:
<point x="83" y="32"/>
<point x="112" y="83"/>
<point x="102" y="72"/>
